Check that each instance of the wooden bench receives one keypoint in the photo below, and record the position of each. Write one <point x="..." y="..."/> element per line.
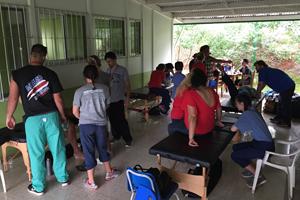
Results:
<point x="141" y="100"/>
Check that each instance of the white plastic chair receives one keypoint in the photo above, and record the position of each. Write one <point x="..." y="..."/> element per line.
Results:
<point x="288" y="167"/>
<point x="2" y="178"/>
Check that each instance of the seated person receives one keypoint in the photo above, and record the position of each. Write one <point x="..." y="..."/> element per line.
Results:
<point x="155" y="87"/>
<point x="243" y="153"/>
<point x="200" y="104"/>
<point x="246" y="74"/>
<point x="178" y="77"/>
<point x="169" y="70"/>
<point x="177" y="113"/>
<point x="198" y="63"/>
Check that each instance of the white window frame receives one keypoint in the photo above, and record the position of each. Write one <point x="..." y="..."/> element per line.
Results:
<point x="21" y="34"/>
<point x="64" y="14"/>
<point x="131" y="38"/>
<point x="97" y="17"/>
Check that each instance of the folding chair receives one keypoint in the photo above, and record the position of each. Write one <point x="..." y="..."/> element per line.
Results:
<point x="288" y="166"/>
<point x="143" y="186"/>
<point x="2" y="177"/>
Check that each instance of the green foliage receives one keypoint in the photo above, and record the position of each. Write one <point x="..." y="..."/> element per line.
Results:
<point x="276" y="41"/>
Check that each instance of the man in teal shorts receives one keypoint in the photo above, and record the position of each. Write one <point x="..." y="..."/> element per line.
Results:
<point x="39" y="88"/>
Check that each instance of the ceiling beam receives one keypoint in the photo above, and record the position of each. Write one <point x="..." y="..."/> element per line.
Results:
<point x="225" y="12"/>
<point x="238" y="19"/>
<point x="173" y="1"/>
<point x="229" y="5"/>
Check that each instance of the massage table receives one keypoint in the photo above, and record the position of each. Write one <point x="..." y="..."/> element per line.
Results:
<point x="15" y="138"/>
<point x="141" y="100"/>
<point x="175" y="147"/>
<point x="228" y="105"/>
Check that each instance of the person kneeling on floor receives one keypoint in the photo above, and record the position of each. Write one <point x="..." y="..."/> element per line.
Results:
<point x="250" y="122"/>
<point x="89" y="106"/>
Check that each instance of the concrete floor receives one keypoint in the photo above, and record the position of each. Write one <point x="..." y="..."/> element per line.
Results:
<point x="230" y="187"/>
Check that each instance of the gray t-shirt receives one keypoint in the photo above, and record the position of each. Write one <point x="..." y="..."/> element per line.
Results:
<point x="92" y="104"/>
<point x="103" y="78"/>
<point x="119" y="76"/>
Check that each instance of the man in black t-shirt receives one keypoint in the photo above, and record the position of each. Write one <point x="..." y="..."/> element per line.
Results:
<point x="39" y="88"/>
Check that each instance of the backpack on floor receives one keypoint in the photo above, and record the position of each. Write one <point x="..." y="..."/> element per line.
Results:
<point x="162" y="179"/>
<point x="215" y="173"/>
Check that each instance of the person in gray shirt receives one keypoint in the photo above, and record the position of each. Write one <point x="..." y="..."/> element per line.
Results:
<point x="120" y="93"/>
<point x="89" y="106"/>
<point x="103" y="77"/>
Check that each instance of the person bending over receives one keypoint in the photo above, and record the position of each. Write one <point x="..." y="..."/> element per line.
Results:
<point x="89" y="106"/>
<point x="155" y="87"/>
<point x="250" y="122"/>
<point x="279" y="82"/>
<point x="200" y="104"/>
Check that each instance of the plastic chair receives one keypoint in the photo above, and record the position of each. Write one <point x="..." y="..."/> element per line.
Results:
<point x="143" y="186"/>
<point x="2" y="178"/>
<point x="288" y="167"/>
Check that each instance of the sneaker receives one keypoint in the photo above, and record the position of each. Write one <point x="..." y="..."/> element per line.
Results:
<point x="64" y="184"/>
<point x="260" y="181"/>
<point x="90" y="186"/>
<point x="128" y="144"/>
<point x="111" y="175"/>
<point x="33" y="191"/>
<point x="247" y="174"/>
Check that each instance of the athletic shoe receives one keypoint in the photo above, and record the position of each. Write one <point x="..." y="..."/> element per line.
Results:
<point x="64" y="184"/>
<point x="33" y="191"/>
<point x="90" y="186"/>
<point x="260" y="181"/>
<point x="111" y="175"/>
<point x="246" y="174"/>
<point x="128" y="144"/>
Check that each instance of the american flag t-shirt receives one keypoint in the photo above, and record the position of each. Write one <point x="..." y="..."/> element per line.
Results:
<point x="37" y="87"/>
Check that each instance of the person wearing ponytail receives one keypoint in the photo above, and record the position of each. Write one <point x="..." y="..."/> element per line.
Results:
<point x="89" y="106"/>
<point x="103" y="77"/>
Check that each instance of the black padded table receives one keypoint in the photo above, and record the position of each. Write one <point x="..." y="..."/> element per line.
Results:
<point x="175" y="147"/>
<point x="228" y="105"/>
<point x="141" y="93"/>
<point x="17" y="134"/>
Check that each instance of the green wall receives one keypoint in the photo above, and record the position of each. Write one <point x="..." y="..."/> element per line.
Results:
<point x="137" y="81"/>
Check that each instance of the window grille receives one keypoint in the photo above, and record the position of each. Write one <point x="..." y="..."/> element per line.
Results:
<point x="109" y="36"/>
<point x="63" y="33"/>
<point x="13" y="43"/>
<point x="135" y="38"/>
